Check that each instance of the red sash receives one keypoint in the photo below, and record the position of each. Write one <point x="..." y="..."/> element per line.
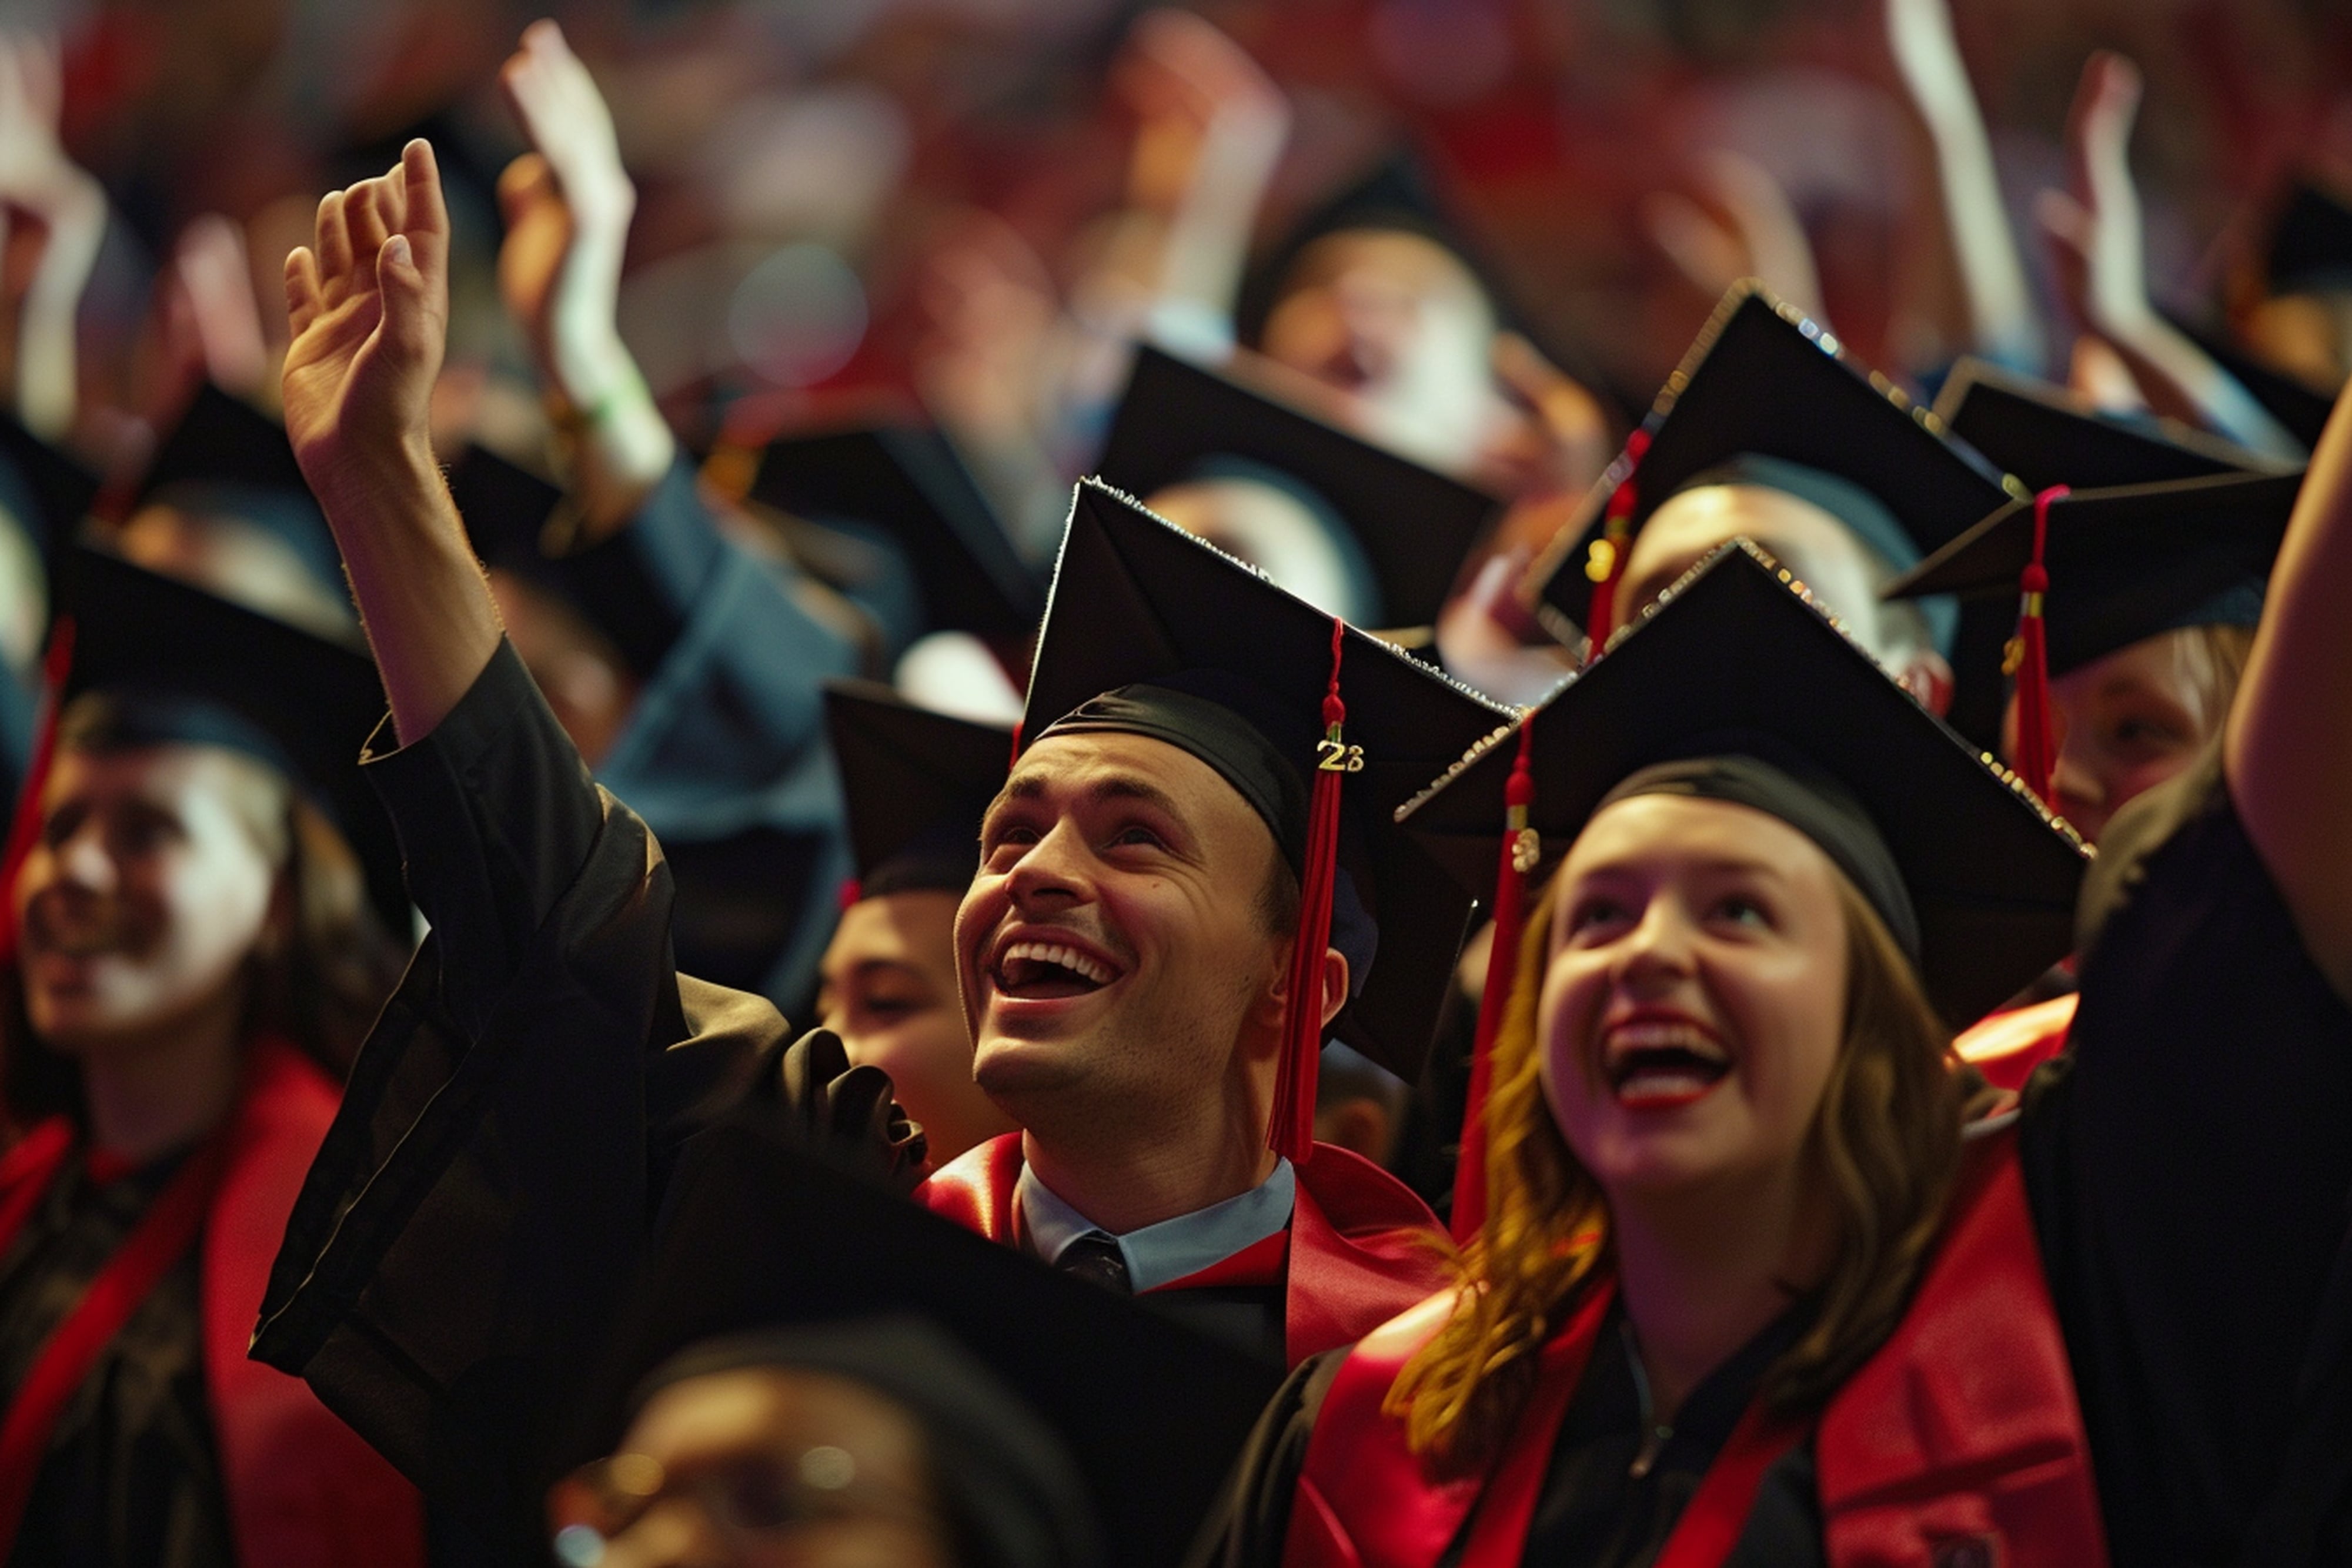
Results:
<point x="1962" y="1429"/>
<point x="155" y="1245"/>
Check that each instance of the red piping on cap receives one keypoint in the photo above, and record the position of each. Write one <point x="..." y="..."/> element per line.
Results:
<point x="2028" y="660"/>
<point x="56" y="664"/>
<point x="1520" y="851"/>
<point x="1290" y="1131"/>
<point x="1606" y="567"/>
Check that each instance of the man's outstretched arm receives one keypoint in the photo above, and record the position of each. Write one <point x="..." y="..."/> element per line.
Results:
<point x="368" y="305"/>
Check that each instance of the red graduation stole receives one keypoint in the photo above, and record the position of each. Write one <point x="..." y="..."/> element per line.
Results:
<point x="154" y="1247"/>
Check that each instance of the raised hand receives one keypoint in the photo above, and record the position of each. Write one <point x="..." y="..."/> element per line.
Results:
<point x="39" y="183"/>
<point x="568" y="203"/>
<point x="368" y="305"/>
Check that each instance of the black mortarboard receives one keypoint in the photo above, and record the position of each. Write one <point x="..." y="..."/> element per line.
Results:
<point x="227" y="458"/>
<point x="1153" y="1413"/>
<point x="2125" y="563"/>
<point x="2045" y="437"/>
<point x="1394" y="194"/>
<point x="1413" y="525"/>
<point x="1733" y="661"/>
<point x="48" y="492"/>
<point x="184" y="666"/>
<point x="1150" y="631"/>
<point x="2301" y="411"/>
<point x="908" y="481"/>
<point x="916" y="784"/>
<point x="2311" y="243"/>
<point x="1764" y="381"/>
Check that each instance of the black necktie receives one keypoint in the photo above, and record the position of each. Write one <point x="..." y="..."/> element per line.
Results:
<point x="1095" y="1258"/>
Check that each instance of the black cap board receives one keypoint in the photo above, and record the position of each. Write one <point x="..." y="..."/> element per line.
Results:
<point x="1764" y="381"/>
<point x="2125" y="563"/>
<point x="2311" y="243"/>
<point x="1735" y="658"/>
<point x="1136" y="600"/>
<point x="908" y="480"/>
<point x="2045" y="435"/>
<point x="48" y="492"/>
<point x="2301" y="412"/>
<point x="1413" y="525"/>
<point x="916" y="784"/>
<point x="226" y="456"/>
<point x="194" y="667"/>
<point x="1154" y="1412"/>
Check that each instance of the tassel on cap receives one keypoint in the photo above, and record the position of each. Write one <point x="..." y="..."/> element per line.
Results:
<point x="2027" y="659"/>
<point x="1290" y="1132"/>
<point x="1606" y="565"/>
<point x="56" y="664"/>
<point x="1520" y="851"/>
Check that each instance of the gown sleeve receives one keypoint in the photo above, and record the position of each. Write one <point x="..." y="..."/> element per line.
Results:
<point x="492" y="1177"/>
<point x="2187" y="1170"/>
<point x="1246" y="1527"/>
<point x="724" y="756"/>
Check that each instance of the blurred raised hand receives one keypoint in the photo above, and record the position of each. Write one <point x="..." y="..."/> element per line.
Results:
<point x="2098" y="250"/>
<point x="1757" y="235"/>
<point x="2002" y="325"/>
<point x="567" y="205"/>
<point x="42" y="188"/>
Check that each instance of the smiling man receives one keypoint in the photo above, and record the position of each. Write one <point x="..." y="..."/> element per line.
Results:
<point x="1168" y="846"/>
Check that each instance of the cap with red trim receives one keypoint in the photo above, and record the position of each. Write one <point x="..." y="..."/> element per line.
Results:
<point x="2046" y="436"/>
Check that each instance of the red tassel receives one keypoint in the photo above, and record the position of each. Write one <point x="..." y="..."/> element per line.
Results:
<point x="26" y="826"/>
<point x="1015" y="760"/>
<point x="2028" y="660"/>
<point x="1606" y="567"/>
<point x="1290" y="1132"/>
<point x="1520" y="851"/>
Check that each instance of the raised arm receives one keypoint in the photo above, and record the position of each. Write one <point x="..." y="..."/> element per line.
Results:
<point x="2288" y="748"/>
<point x="568" y="203"/>
<point x="2100" y="253"/>
<point x="2000" y="307"/>
<point x="368" y="305"/>
<point x="40" y="181"/>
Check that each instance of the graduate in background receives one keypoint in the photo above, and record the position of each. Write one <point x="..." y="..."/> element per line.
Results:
<point x="202" y="932"/>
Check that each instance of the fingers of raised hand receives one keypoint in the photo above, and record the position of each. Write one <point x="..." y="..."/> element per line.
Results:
<point x="332" y="244"/>
<point x="303" y="299"/>
<point x="364" y="220"/>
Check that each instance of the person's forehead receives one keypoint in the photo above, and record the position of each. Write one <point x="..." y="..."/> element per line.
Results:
<point x="895" y="927"/>
<point x="1687" y="525"/>
<point x="1681" y="830"/>
<point x="1397" y="254"/>
<point x="1112" y="764"/>
<point x="761" y="1407"/>
<point x="163" y="769"/>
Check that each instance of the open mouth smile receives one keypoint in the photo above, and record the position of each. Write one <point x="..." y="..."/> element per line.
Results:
<point x="1034" y="969"/>
<point x="1656" y="1064"/>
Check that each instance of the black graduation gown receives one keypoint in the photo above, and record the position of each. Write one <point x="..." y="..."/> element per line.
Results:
<point x="724" y="754"/>
<point x="492" y="1179"/>
<point x="131" y="1476"/>
<point x="2188" y="1171"/>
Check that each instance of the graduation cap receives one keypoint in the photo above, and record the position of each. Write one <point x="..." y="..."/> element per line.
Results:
<point x="184" y="665"/>
<point x="47" y="492"/>
<point x="908" y="481"/>
<point x="2045" y="437"/>
<point x="1969" y="872"/>
<point x="916" y="784"/>
<point x="1763" y="381"/>
<point x="2301" y="411"/>
<point x="226" y="458"/>
<point x="1411" y="527"/>
<point x="2101" y="570"/>
<point x="1320" y="728"/>
<point x="1153" y="1413"/>
<point x="2311" y="243"/>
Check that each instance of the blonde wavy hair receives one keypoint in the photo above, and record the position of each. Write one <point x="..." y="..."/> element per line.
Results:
<point x="1886" y="1142"/>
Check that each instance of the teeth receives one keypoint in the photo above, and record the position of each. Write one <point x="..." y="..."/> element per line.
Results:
<point x="1070" y="958"/>
<point x="1661" y="1034"/>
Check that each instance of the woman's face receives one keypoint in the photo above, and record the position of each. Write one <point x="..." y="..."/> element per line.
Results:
<point x="2125" y="723"/>
<point x="1694" y="999"/>
<point x="148" y="888"/>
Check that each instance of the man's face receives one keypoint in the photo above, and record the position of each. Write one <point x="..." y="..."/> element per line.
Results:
<point x="757" y="1467"/>
<point x="1112" y="952"/>
<point x="890" y="992"/>
<point x="1823" y="553"/>
<point x="1400" y="325"/>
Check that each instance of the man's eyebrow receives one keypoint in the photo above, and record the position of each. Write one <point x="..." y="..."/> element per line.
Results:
<point x="1031" y="785"/>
